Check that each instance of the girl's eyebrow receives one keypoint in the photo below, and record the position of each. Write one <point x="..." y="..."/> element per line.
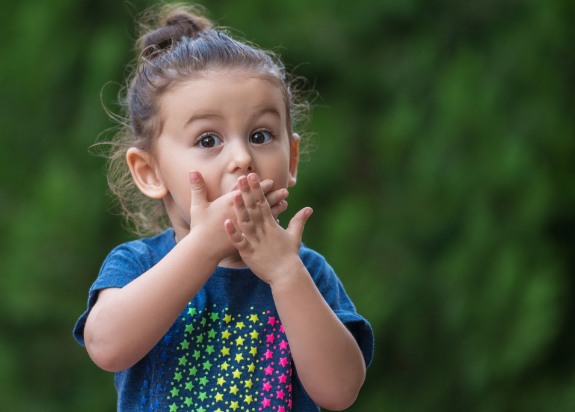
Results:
<point x="202" y="116"/>
<point x="267" y="110"/>
<point x="211" y="116"/>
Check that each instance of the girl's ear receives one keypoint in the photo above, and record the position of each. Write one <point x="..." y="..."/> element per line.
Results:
<point x="145" y="173"/>
<point x="293" y="159"/>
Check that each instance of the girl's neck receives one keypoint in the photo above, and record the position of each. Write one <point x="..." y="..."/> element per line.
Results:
<point x="233" y="261"/>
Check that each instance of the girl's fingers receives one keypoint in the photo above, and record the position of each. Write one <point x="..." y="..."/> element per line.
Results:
<point x="267" y="186"/>
<point x="234" y="235"/>
<point x="297" y="223"/>
<point x="246" y="192"/>
<point x="198" y="187"/>
<point x="279" y="208"/>
<point x="257" y="194"/>
<point x="242" y="215"/>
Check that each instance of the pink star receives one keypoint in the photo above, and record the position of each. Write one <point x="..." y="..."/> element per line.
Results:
<point x="283" y="345"/>
<point x="281" y="394"/>
<point x="269" y="354"/>
<point x="272" y="320"/>
<point x="290" y="403"/>
<point x="282" y="330"/>
<point x="269" y="370"/>
<point x="266" y="402"/>
<point x="267" y="386"/>
<point x="283" y="362"/>
<point x="283" y="378"/>
<point x="281" y="409"/>
<point x="271" y="338"/>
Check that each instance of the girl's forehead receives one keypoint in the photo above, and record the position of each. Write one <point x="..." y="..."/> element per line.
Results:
<point x="223" y="93"/>
<point x="235" y="74"/>
<point x="218" y="84"/>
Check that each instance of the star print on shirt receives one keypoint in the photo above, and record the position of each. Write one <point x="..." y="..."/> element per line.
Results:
<point x="227" y="361"/>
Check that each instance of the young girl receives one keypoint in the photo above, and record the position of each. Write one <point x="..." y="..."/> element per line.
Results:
<point x="224" y="310"/>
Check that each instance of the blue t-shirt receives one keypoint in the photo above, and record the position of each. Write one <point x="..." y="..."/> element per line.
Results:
<point x="227" y="351"/>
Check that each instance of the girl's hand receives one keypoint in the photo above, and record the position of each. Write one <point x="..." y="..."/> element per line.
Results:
<point x="208" y="216"/>
<point x="268" y="249"/>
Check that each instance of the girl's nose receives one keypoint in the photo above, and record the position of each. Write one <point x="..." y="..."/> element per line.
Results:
<point x="241" y="159"/>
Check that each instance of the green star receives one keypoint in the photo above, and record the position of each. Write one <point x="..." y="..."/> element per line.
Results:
<point x="200" y="339"/>
<point x="182" y="360"/>
<point x="192" y="311"/>
<point x="175" y="392"/>
<point x="188" y="401"/>
<point x="189" y="328"/>
<point x="200" y="409"/>
<point x="202" y="396"/>
<point x="212" y="333"/>
<point x="203" y="321"/>
<point x="215" y="316"/>
<point x="178" y="376"/>
<point x="189" y="386"/>
<point x="196" y="354"/>
<point x="203" y="381"/>
<point x="185" y="344"/>
<point x="193" y="371"/>
<point x="207" y="365"/>
<point x="210" y="349"/>
<point x="173" y="407"/>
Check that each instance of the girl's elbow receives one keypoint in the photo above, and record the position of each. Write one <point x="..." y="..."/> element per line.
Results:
<point x="342" y="397"/>
<point x="339" y="402"/>
<point x="107" y="358"/>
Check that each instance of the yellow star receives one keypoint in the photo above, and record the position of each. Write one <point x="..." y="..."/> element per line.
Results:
<point x="240" y="341"/>
<point x="234" y="405"/>
<point x="248" y="384"/>
<point x="227" y="318"/>
<point x="254" y="318"/>
<point x="239" y="357"/>
<point x="251" y="368"/>
<point x="224" y="366"/>
<point x="253" y="351"/>
<point x="254" y="334"/>
<point x="240" y="325"/>
<point x="225" y="334"/>
<point x="248" y="399"/>
<point x="234" y="389"/>
<point x="225" y="351"/>
<point x="221" y="381"/>
<point x="219" y="397"/>
<point x="236" y="374"/>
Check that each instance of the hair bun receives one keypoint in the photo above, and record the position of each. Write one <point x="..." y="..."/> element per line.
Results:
<point x="176" y="22"/>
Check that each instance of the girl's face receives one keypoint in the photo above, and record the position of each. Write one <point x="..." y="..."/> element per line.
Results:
<point x="224" y="125"/>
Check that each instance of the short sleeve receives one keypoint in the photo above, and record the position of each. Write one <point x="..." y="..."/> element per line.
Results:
<point x="120" y="267"/>
<point x="337" y="298"/>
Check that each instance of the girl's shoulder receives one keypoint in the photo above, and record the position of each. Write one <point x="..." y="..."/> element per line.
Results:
<point x="316" y="263"/>
<point x="160" y="243"/>
<point x="144" y="252"/>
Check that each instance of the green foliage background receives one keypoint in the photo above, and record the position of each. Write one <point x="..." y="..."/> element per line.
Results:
<point x="442" y="183"/>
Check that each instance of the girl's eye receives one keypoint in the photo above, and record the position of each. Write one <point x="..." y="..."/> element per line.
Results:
<point x="208" y="141"/>
<point x="261" y="137"/>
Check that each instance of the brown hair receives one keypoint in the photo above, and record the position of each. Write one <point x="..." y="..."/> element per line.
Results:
<point x="177" y="43"/>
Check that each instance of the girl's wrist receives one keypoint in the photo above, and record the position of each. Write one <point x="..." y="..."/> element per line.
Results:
<point x="287" y="274"/>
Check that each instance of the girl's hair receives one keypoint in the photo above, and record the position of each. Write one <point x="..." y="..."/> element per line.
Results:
<point x="176" y="44"/>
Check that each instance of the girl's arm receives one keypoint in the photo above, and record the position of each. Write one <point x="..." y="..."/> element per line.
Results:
<point x="329" y="362"/>
<point x="125" y="324"/>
